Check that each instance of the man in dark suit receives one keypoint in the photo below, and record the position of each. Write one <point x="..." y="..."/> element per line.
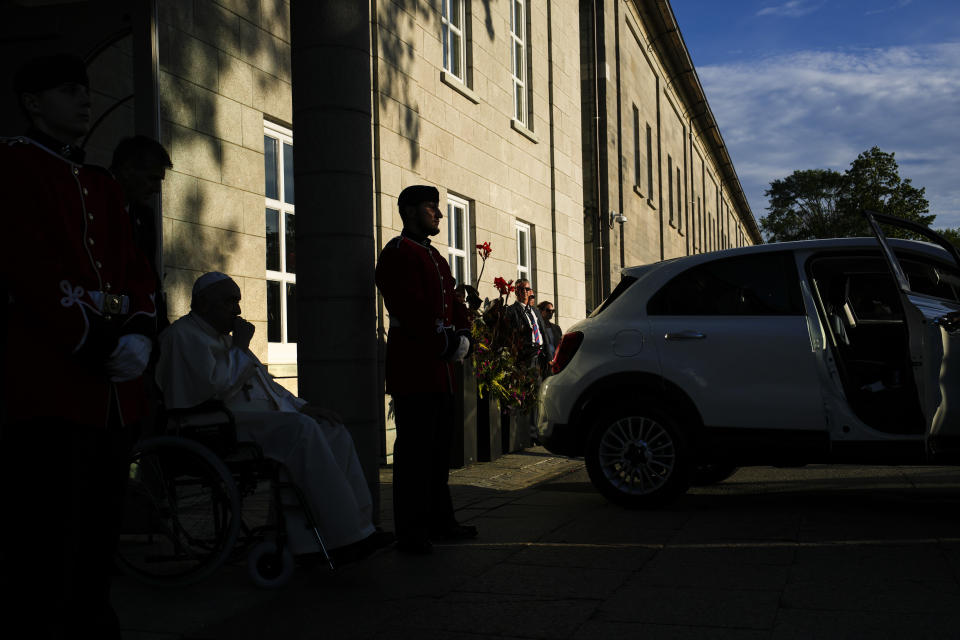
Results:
<point x="527" y="320"/>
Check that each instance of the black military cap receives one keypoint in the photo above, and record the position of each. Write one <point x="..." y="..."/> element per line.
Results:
<point x="47" y="72"/>
<point x="415" y="194"/>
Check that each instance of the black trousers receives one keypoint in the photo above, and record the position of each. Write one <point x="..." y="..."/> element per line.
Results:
<point x="421" y="464"/>
<point x="62" y="492"/>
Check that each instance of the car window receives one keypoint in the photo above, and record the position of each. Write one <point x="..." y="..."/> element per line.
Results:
<point x="931" y="278"/>
<point x="624" y="284"/>
<point x="753" y="285"/>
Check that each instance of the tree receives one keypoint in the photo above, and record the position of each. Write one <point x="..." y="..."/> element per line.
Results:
<point x="823" y="203"/>
<point x="953" y="235"/>
<point x="803" y="205"/>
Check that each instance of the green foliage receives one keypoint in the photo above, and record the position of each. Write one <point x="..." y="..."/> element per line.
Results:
<point x="823" y="203"/>
<point x="953" y="235"/>
<point x="502" y="366"/>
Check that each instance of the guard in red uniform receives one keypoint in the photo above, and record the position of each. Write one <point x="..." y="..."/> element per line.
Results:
<point x="429" y="331"/>
<point x="80" y="314"/>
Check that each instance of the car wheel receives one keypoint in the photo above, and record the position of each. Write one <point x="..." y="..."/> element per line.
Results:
<point x="637" y="456"/>
<point x="712" y="473"/>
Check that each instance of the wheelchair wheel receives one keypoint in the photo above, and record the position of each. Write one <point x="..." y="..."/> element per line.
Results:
<point x="268" y="568"/>
<point x="181" y="514"/>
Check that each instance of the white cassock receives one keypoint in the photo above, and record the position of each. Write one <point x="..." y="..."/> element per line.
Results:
<point x="198" y="363"/>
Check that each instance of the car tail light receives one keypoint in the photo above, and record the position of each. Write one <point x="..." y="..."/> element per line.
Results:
<point x="565" y="352"/>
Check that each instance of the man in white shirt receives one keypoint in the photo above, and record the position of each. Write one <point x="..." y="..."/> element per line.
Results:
<point x="205" y="355"/>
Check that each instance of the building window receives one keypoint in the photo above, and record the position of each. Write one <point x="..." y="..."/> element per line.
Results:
<point x="518" y="40"/>
<point x="452" y="21"/>
<point x="636" y="147"/>
<point x="649" y="163"/>
<point x="458" y="239"/>
<point x="715" y="223"/>
<point x="679" y="203"/>
<point x="699" y="227"/>
<point x="670" y="188"/>
<point x="524" y="252"/>
<point x="281" y="272"/>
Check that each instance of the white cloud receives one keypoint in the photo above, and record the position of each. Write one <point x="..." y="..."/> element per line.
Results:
<point x="791" y="9"/>
<point x="899" y="5"/>
<point x="818" y="109"/>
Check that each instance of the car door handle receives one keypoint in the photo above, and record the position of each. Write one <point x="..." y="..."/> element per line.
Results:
<point x="689" y="334"/>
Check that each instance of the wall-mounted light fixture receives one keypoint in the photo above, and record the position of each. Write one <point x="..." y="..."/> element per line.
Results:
<point x="616" y="217"/>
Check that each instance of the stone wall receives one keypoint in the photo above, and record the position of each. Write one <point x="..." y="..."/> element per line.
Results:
<point x="224" y="68"/>
<point x="663" y="219"/>
<point x="462" y="137"/>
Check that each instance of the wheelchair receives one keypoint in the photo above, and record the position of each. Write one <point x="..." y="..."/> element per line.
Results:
<point x="183" y="514"/>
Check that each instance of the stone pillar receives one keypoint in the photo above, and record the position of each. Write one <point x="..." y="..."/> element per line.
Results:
<point x="336" y="249"/>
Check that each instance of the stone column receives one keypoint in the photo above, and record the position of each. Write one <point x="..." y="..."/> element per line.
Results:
<point x="336" y="250"/>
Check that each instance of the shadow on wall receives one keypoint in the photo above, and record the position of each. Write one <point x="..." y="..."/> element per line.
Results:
<point x="395" y="71"/>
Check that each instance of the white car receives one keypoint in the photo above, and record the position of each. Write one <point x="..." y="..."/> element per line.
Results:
<point x="821" y="351"/>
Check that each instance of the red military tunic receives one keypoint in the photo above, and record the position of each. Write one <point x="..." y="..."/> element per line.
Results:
<point x="66" y="253"/>
<point x="417" y="289"/>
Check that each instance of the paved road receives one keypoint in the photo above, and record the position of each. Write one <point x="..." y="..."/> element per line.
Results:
<point x="820" y="552"/>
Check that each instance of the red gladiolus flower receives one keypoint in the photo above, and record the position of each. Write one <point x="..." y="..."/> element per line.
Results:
<point x="484" y="250"/>
<point x="502" y="285"/>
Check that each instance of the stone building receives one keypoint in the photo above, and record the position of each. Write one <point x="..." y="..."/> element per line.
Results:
<point x="659" y="183"/>
<point x="492" y="102"/>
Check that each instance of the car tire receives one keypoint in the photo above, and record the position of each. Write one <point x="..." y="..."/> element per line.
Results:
<point x="637" y="456"/>
<point x="712" y="473"/>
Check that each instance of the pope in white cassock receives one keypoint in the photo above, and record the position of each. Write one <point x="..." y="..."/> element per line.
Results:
<point x="205" y="355"/>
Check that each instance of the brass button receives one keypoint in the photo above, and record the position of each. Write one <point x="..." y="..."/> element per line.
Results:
<point x="76" y="171"/>
<point x="90" y="240"/>
<point x="107" y="286"/>
<point x="98" y="264"/>
<point x="90" y="216"/>
<point x="85" y="191"/>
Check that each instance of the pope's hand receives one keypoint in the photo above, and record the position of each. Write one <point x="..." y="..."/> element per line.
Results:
<point x="242" y="332"/>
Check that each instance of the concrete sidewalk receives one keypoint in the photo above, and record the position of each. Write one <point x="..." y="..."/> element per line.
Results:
<point x="206" y="610"/>
<point x="782" y="554"/>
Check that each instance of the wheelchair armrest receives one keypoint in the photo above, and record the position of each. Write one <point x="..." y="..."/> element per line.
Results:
<point x="210" y="422"/>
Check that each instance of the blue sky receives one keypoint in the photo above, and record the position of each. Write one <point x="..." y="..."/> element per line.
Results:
<point x="803" y="84"/>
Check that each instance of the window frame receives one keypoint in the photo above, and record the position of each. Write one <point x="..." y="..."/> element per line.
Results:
<point x="283" y="352"/>
<point x="670" y="190"/>
<point x="637" y="166"/>
<point x="519" y="41"/>
<point x="524" y="272"/>
<point x="649" y="163"/>
<point x="452" y="252"/>
<point x="680" y="202"/>
<point x="446" y="43"/>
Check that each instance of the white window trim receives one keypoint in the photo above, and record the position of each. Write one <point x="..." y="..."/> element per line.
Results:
<point x="281" y="352"/>
<point x="467" y="252"/>
<point x="518" y="36"/>
<point x="524" y="272"/>
<point x="446" y="25"/>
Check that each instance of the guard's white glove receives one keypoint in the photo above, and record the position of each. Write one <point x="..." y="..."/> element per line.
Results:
<point x="130" y="358"/>
<point x="461" y="350"/>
